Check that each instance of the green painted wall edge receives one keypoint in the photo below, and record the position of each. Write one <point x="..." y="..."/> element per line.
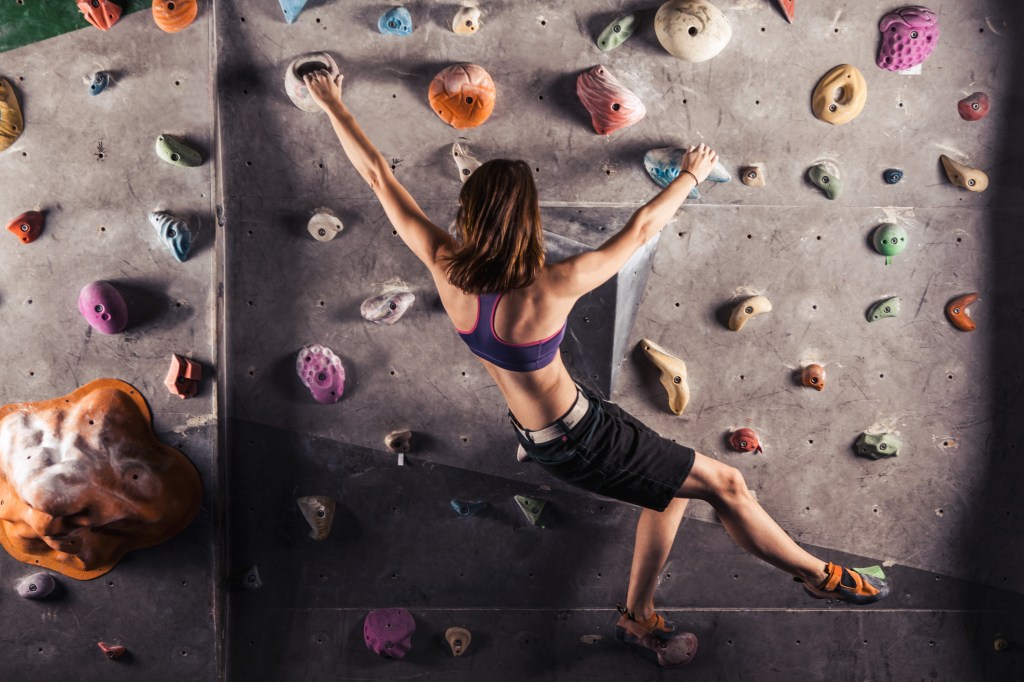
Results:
<point x="29" y="21"/>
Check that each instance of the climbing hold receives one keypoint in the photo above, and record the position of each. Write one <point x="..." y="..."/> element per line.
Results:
<point x="874" y="571"/>
<point x="251" y="578"/>
<point x="746" y="309"/>
<point x="840" y="95"/>
<point x="673" y="375"/>
<point x="752" y="176"/>
<point x="971" y="179"/>
<point x="183" y="377"/>
<point x="395" y="22"/>
<point x="318" y="510"/>
<point x="301" y="67"/>
<point x="826" y="176"/>
<point x="956" y="311"/>
<point x="466" y="162"/>
<point x="892" y="176"/>
<point x="174" y="15"/>
<point x="458" y="639"/>
<point x="813" y="376"/>
<point x="612" y="105"/>
<point x="174" y="232"/>
<point x="113" y="651"/>
<point x="100" y="13"/>
<point x="467" y="19"/>
<point x="877" y="445"/>
<point x="890" y="307"/>
<point x="694" y="30"/>
<point x="618" y="32"/>
<point x="387" y="308"/>
<point x="98" y="83"/>
<point x="745" y="440"/>
<point x="322" y="373"/>
<point x="1001" y="643"/>
<point x="974" y="107"/>
<point x="176" y="152"/>
<point x="103" y="307"/>
<point x="27" y="226"/>
<point x="11" y="121"/>
<point x="788" y="8"/>
<point x="37" y="586"/>
<point x="462" y="95"/>
<point x="909" y="35"/>
<point x="324" y="225"/>
<point x="665" y="163"/>
<point x="388" y="632"/>
<point x="889" y="239"/>
<point x="463" y="508"/>
<point x="531" y="508"/>
<point x="398" y="441"/>
<point x="671" y="653"/>
<point x="292" y="9"/>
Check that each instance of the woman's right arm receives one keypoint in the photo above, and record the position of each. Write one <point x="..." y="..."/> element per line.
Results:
<point x="585" y="272"/>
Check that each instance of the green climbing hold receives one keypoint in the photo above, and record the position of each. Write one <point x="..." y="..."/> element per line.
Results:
<point x="873" y="571"/>
<point x="890" y="307"/>
<point x="531" y="508"/>
<point x="877" y="445"/>
<point x="889" y="240"/>
<point x="826" y="177"/>
<point x="172" y="150"/>
<point x="617" y="32"/>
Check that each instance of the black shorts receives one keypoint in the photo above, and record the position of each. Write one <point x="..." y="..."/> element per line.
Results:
<point x="611" y="453"/>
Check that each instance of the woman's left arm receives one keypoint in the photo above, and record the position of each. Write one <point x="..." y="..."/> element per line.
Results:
<point x="426" y="239"/>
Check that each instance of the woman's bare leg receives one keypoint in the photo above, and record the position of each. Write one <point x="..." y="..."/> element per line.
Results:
<point x="655" y="533"/>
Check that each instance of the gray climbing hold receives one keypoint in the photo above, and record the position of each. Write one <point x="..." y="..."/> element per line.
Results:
<point x="37" y="586"/>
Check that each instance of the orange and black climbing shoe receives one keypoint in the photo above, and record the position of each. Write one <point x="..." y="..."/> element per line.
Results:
<point x="849" y="585"/>
<point x="631" y="629"/>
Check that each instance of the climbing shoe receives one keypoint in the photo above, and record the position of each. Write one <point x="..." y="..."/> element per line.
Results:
<point x="849" y="585"/>
<point x="631" y="629"/>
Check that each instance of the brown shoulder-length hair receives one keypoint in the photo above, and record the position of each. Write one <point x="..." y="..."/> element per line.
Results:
<point x="499" y="242"/>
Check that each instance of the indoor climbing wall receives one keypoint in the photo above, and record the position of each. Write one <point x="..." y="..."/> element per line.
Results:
<point x="82" y="478"/>
<point x="940" y="518"/>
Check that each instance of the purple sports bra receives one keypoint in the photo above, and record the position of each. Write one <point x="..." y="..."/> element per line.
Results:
<point x="515" y="357"/>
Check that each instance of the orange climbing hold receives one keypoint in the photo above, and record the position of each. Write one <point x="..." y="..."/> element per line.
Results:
<point x="183" y="377"/>
<point x="27" y="226"/>
<point x="173" y="15"/>
<point x="813" y="376"/>
<point x="956" y="310"/>
<point x="788" y="8"/>
<point x="100" y="13"/>
<point x="463" y="95"/>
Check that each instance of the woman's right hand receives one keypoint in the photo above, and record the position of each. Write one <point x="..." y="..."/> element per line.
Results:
<point x="322" y="88"/>
<point x="699" y="161"/>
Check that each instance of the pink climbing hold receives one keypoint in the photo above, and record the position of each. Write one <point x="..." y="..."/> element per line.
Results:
<point x="322" y="373"/>
<point x="103" y="307"/>
<point x="612" y="105"/>
<point x="909" y="35"/>
<point x="388" y="632"/>
<point x="974" y="107"/>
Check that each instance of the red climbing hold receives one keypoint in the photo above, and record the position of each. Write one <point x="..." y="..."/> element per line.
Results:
<point x="788" y="8"/>
<point x="27" y="226"/>
<point x="100" y="13"/>
<point x="113" y="651"/>
<point x="745" y="440"/>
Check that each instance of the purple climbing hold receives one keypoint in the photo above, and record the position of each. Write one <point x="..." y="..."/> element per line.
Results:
<point x="388" y="632"/>
<point x="909" y="35"/>
<point x="103" y="307"/>
<point x="321" y="371"/>
<point x="37" y="586"/>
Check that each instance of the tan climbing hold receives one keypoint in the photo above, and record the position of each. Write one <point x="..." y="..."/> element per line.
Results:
<point x="746" y="309"/>
<point x="399" y="441"/>
<point x="752" y="176"/>
<point x="971" y="179"/>
<point x="318" y="510"/>
<point x="840" y="95"/>
<point x="467" y="19"/>
<point x="957" y="312"/>
<point x="673" y="375"/>
<point x="458" y="639"/>
<point x="813" y="376"/>
<point x="11" y="121"/>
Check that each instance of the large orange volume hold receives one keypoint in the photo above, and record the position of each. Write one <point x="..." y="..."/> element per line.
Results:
<point x="463" y="95"/>
<point x="173" y="15"/>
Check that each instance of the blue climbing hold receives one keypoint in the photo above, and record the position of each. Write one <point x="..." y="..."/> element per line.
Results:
<point x="664" y="165"/>
<point x="98" y="83"/>
<point x="467" y="508"/>
<point x="395" y="22"/>
<point x="292" y="9"/>
<point x="174" y="232"/>
<point x="892" y="175"/>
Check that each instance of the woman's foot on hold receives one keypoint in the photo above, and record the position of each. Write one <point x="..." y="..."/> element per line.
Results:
<point x="849" y="585"/>
<point x="631" y="629"/>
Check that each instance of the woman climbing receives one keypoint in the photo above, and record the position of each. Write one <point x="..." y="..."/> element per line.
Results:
<point x="510" y="307"/>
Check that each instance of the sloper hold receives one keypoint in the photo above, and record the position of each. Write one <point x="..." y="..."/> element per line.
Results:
<point x="466" y="508"/>
<point x="103" y="307"/>
<point x="458" y="639"/>
<point x="318" y="510"/>
<point x="98" y="83"/>
<point x="387" y="308"/>
<point x="746" y="309"/>
<point x="37" y="586"/>
<point x="877" y="445"/>
<point x="292" y="9"/>
<point x="388" y="632"/>
<point x="302" y="66"/>
<point x="324" y="225"/>
<point x="176" y="152"/>
<point x="956" y="311"/>
<point x="826" y="177"/>
<point x="174" y="232"/>
<point x="112" y="651"/>
<point x="27" y="227"/>
<point x="612" y="105"/>
<point x="673" y="375"/>
<point x="892" y="176"/>
<point x="693" y="30"/>
<point x="745" y="440"/>
<point x="462" y="95"/>
<point x="467" y="19"/>
<point x="183" y="376"/>
<point x="11" y="121"/>
<point x="665" y="163"/>
<point x="397" y="21"/>
<point x="753" y="176"/>
<point x="100" y="13"/>
<point x="889" y="240"/>
<point x="974" y="107"/>
<point x="466" y="162"/>
<point x="813" y="376"/>
<point x="322" y="373"/>
<point x="531" y="508"/>
<point x="971" y="179"/>
<point x="788" y="8"/>
<point x="251" y="578"/>
<point x="909" y="35"/>
<point x="618" y="32"/>
<point x="840" y="95"/>
<point x="399" y="441"/>
<point x="890" y="307"/>
<point x="672" y="653"/>
<point x="174" y="15"/>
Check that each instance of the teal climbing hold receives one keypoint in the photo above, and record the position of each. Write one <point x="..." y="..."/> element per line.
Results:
<point x="292" y="9"/>
<point x="877" y="445"/>
<point x="531" y="508"/>
<point x="889" y="239"/>
<point x="826" y="177"/>
<point x="618" y="32"/>
<point x="665" y="163"/>
<point x="174" y="151"/>
<point x="463" y="508"/>
<point x="395" y="22"/>
<point x="174" y="232"/>
<point x="890" y="307"/>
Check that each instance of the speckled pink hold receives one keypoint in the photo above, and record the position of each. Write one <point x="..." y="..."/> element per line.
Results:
<point x="322" y="373"/>
<point x="909" y="35"/>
